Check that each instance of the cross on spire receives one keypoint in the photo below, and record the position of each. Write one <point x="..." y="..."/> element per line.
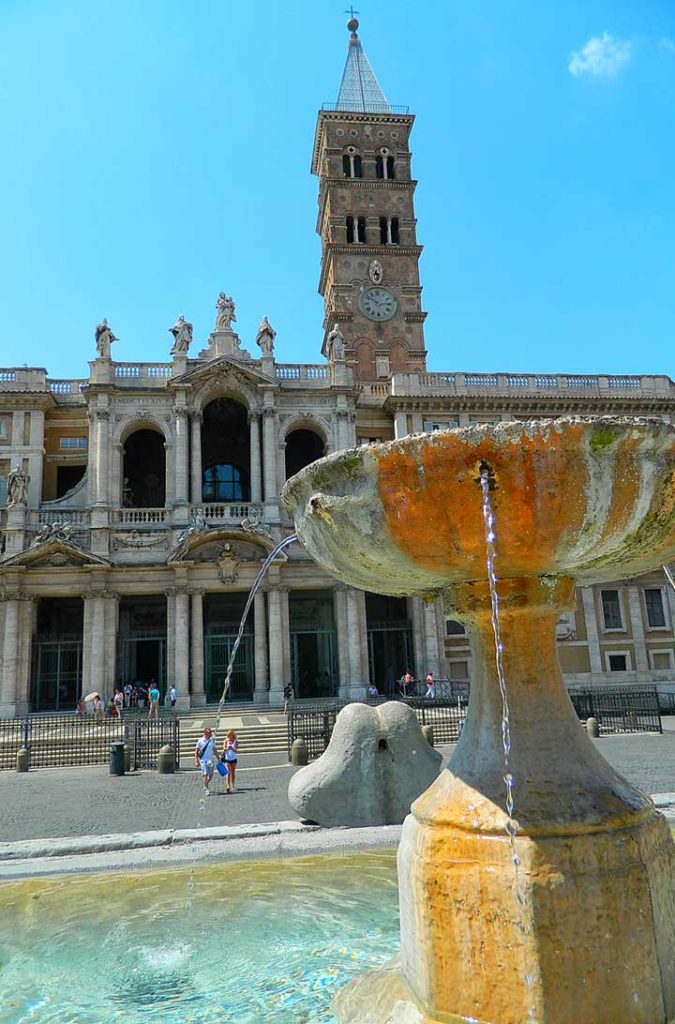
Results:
<point x="351" y="12"/>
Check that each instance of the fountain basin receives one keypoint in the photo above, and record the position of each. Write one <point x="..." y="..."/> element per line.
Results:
<point x="585" y="500"/>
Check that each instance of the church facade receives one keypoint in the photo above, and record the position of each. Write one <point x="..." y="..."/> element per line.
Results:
<point x="137" y="504"/>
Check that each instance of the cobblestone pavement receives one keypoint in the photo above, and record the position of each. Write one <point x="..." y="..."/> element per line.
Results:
<point x="89" y="801"/>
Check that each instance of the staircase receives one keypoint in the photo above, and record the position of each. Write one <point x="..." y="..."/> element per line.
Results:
<point x="259" y="730"/>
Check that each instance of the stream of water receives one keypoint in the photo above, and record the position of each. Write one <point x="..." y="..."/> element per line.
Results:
<point x="254" y="590"/>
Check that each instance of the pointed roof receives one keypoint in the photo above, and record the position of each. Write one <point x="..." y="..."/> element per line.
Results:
<point x="359" y="88"/>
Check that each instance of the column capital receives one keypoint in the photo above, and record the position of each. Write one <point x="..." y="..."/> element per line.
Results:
<point x="180" y="413"/>
<point x="196" y="591"/>
<point x="269" y="412"/>
<point x="175" y="591"/>
<point x="254" y="415"/>
<point x="93" y="593"/>
<point x="196" y="415"/>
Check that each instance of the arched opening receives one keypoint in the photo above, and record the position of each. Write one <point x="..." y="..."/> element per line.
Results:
<point x="226" y="452"/>
<point x="365" y="362"/>
<point x="302" y="447"/>
<point x="398" y="357"/>
<point x="144" y="470"/>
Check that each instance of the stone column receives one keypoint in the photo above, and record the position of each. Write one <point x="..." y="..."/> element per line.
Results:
<point x="270" y="465"/>
<point x="260" y="695"/>
<point x="181" y="457"/>
<point x="170" y="636"/>
<point x="356" y="632"/>
<point x="286" y="633"/>
<point x="343" y="432"/>
<point x="431" y="640"/>
<point x="198" y="695"/>
<point x="116" y="475"/>
<point x="400" y="424"/>
<point x="419" y="637"/>
<point x="101" y="465"/>
<point x="256" y="465"/>
<point x="275" y="625"/>
<point x="94" y="643"/>
<point x="340" y="614"/>
<point x="36" y="457"/>
<point x="638" y="630"/>
<point x="10" y="656"/>
<point x="111" y="615"/>
<point x="196" y="458"/>
<point x="671" y="601"/>
<point x="182" y="643"/>
<point x="27" y="610"/>
<point x="595" y="657"/>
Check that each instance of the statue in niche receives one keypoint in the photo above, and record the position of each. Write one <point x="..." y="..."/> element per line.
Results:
<point x="375" y="272"/>
<point x="265" y="337"/>
<point x="17" y="487"/>
<point x="182" y="336"/>
<point x="225" y="315"/>
<point x="104" y="339"/>
<point x="335" y="345"/>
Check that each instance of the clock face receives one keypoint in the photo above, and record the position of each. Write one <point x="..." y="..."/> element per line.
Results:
<point x="378" y="303"/>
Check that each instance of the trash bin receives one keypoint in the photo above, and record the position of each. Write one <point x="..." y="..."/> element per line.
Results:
<point x="117" y="758"/>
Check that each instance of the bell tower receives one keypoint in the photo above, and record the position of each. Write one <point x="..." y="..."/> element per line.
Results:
<point x="369" y="252"/>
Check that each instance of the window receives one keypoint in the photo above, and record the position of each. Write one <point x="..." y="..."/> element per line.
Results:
<point x="72" y="442"/>
<point x="431" y="425"/>
<point x="356" y="229"/>
<point x="656" y="616"/>
<point x="384" y="167"/>
<point x="611" y="609"/>
<point x="223" y="483"/>
<point x="617" y="662"/>
<point x="659" y="659"/>
<point x="361" y="229"/>
<point x="454" y="628"/>
<point x="351" y="165"/>
<point x="350" y="230"/>
<point x="389" y="231"/>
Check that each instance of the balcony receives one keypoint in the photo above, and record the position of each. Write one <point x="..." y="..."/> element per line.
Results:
<point x="519" y="385"/>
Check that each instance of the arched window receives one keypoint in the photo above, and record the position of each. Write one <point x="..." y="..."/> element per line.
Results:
<point x="302" y="447"/>
<point x="224" y="482"/>
<point x="143" y="470"/>
<point x="384" y="167"/>
<point x="389" y="234"/>
<point x="350" y="230"/>
<point x="351" y="165"/>
<point x="361" y="229"/>
<point x="356" y="229"/>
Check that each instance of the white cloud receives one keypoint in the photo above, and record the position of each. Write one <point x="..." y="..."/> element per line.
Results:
<point x="602" y="56"/>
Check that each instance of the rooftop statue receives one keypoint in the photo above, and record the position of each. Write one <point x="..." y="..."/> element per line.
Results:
<point x="182" y="336"/>
<point x="265" y="337"/>
<point x="225" y="315"/>
<point x="17" y="487"/>
<point x="104" y="339"/>
<point x="335" y="345"/>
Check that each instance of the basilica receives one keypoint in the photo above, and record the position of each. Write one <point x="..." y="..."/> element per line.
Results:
<point x="137" y="503"/>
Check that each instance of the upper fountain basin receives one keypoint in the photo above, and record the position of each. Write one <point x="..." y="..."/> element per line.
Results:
<point x="592" y="498"/>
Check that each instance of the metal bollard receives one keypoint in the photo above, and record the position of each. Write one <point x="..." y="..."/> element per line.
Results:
<point x="428" y="733"/>
<point x="299" y="751"/>
<point x="592" y="727"/>
<point x="23" y="759"/>
<point x="117" y="757"/>
<point x="166" y="761"/>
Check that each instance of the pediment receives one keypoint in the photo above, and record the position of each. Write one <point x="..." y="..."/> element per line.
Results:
<point x="226" y="369"/>
<point x="226" y="549"/>
<point x="54" y="553"/>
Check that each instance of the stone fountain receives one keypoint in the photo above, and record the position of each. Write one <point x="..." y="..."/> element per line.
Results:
<point x="573" y="920"/>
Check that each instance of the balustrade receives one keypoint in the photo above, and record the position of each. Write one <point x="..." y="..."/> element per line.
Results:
<point x="234" y="511"/>
<point x="139" y="516"/>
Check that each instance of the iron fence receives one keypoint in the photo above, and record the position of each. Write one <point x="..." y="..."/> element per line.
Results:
<point x="315" y="722"/>
<point x="59" y="741"/>
<point x="628" y="709"/>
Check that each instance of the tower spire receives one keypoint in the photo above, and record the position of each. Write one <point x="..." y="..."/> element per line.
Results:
<point x="359" y="88"/>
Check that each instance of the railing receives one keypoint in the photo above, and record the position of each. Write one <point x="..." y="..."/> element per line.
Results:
<point x="13" y="378"/>
<point x="369" y="108"/>
<point x="142" y="373"/>
<point x="69" y="741"/>
<point x="530" y="383"/>
<point x="302" y="372"/>
<point x="233" y="511"/>
<point x="78" y="517"/>
<point x="7" y="376"/>
<point x="629" y="709"/>
<point x="315" y="723"/>
<point x="139" y="516"/>
<point x="66" y="387"/>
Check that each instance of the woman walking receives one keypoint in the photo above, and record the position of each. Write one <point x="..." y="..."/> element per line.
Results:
<point x="230" y="750"/>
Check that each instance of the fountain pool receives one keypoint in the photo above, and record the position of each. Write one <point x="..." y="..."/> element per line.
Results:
<point x="264" y="941"/>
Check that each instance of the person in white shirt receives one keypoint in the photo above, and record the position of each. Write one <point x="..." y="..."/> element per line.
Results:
<point x="205" y="756"/>
<point x="173" y="694"/>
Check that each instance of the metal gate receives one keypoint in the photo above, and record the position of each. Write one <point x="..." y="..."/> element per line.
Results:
<point x="217" y="651"/>
<point x="57" y="675"/>
<point x="314" y="663"/>
<point x="139" y="661"/>
<point x="390" y="654"/>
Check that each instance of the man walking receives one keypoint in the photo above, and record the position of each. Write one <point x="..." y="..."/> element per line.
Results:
<point x="154" y="702"/>
<point x="173" y="695"/>
<point x="205" y="753"/>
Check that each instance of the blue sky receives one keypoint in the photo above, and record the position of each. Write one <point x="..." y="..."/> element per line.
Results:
<point x="155" y="152"/>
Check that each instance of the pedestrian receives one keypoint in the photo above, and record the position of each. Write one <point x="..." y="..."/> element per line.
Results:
<point x="288" y="698"/>
<point x="118" y="700"/>
<point x="173" y="696"/>
<point x="431" y="686"/>
<point x="372" y="692"/>
<point x="204" y="756"/>
<point x="154" y="701"/>
<point x="407" y="683"/>
<point x="127" y="694"/>
<point x="98" y="709"/>
<point x="229" y="756"/>
<point x="81" y="709"/>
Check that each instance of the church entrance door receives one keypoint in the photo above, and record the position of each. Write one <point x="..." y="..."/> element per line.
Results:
<point x="217" y="651"/>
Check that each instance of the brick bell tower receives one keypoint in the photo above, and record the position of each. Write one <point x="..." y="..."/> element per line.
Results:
<point x="369" y="253"/>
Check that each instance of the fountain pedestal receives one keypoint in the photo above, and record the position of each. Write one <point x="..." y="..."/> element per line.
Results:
<point x="582" y="929"/>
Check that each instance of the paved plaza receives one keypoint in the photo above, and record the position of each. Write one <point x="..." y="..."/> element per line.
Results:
<point x="89" y="801"/>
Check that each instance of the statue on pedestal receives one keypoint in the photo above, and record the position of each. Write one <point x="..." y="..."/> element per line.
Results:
<point x="335" y="345"/>
<point x="104" y="339"/>
<point x="265" y="337"/>
<point x="182" y="336"/>
<point x="17" y="487"/>
<point x="225" y="315"/>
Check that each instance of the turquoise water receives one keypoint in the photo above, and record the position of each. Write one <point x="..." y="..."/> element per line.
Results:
<point x="257" y="942"/>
